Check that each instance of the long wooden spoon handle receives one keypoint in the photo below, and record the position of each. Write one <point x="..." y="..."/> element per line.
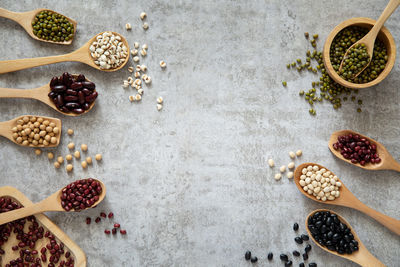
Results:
<point x="389" y="222"/>
<point x="15" y="16"/>
<point x="20" y="64"/>
<point x="13" y="215"/>
<point x="17" y="93"/>
<point x="390" y="8"/>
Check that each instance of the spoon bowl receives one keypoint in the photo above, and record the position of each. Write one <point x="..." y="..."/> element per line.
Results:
<point x="80" y="55"/>
<point x="6" y="130"/>
<point x="362" y="256"/>
<point x="347" y="199"/>
<point x="384" y="35"/>
<point x="25" y="19"/>
<point x="52" y="203"/>
<point x="41" y="94"/>
<point x="387" y="161"/>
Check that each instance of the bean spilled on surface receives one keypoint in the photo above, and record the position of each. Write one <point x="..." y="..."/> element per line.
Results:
<point x="330" y="232"/>
<point x="72" y="94"/>
<point x="80" y="194"/>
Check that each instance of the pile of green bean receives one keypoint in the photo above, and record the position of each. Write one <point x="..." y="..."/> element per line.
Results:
<point x="51" y="26"/>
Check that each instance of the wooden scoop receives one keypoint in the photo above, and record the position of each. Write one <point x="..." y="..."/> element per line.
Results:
<point x="52" y="203"/>
<point x="80" y="55"/>
<point x="347" y="199"/>
<point x="25" y="20"/>
<point x="387" y="161"/>
<point x="362" y="256"/>
<point x="369" y="38"/>
<point x="41" y="94"/>
<point x="6" y="130"/>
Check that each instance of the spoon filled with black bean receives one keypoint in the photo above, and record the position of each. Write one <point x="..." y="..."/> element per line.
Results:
<point x="69" y="94"/>
<point x="334" y="234"/>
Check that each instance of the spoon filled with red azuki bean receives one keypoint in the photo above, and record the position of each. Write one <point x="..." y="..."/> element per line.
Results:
<point x="69" y="94"/>
<point x="79" y="195"/>
<point x="362" y="151"/>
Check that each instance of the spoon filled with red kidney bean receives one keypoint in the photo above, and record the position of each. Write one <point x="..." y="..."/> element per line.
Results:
<point x="79" y="195"/>
<point x="361" y="151"/>
<point x="69" y="94"/>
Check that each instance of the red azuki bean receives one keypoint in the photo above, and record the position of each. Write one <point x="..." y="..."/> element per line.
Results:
<point x="43" y="250"/>
<point x="114" y="231"/>
<point x="76" y="189"/>
<point x="43" y="257"/>
<point x="357" y="149"/>
<point x="123" y="232"/>
<point x="102" y="214"/>
<point x="110" y="215"/>
<point x="107" y="232"/>
<point x="98" y="219"/>
<point x="88" y="220"/>
<point x="117" y="225"/>
<point x="67" y="254"/>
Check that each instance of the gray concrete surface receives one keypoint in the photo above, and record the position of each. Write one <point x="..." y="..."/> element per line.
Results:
<point x="190" y="183"/>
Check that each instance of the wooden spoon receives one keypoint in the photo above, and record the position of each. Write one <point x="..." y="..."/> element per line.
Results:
<point x="387" y="161"/>
<point x="52" y="203"/>
<point x="347" y="199"/>
<point x="362" y="256"/>
<point x="6" y="130"/>
<point x="369" y="38"/>
<point x="80" y="55"/>
<point x="25" y="20"/>
<point x="40" y="93"/>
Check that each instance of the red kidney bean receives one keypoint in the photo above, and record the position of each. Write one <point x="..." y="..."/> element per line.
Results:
<point x="89" y="85"/>
<point x="59" y="88"/>
<point x="76" y="85"/>
<point x="92" y="97"/>
<point x="78" y="110"/>
<point x="86" y="106"/>
<point x="81" y="97"/>
<point x="72" y="105"/>
<point x="53" y="82"/>
<point x="86" y="91"/>
<point x="81" y="78"/>
<point x="71" y="92"/>
<point x="69" y="98"/>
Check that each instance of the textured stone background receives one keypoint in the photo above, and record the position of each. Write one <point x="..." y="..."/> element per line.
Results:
<point x="190" y="183"/>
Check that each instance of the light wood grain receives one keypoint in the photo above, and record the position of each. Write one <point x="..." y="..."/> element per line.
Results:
<point x="41" y="94"/>
<point x="384" y="35"/>
<point x="52" y="203"/>
<point x="387" y="160"/>
<point x="76" y="252"/>
<point x="25" y="20"/>
<point x="80" y="55"/>
<point x="362" y="257"/>
<point x="347" y="199"/>
<point x="6" y="130"/>
<point x="369" y="38"/>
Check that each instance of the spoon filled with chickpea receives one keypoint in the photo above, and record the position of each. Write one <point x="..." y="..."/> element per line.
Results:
<point x="44" y="25"/>
<point x="320" y="184"/>
<point x="106" y="51"/>
<point x="32" y="131"/>
<point x="360" y="142"/>
<point x="73" y="100"/>
<point x="358" y="57"/>
<point x="77" y="196"/>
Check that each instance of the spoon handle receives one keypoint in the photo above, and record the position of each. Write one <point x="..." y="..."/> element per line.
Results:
<point x="390" y="8"/>
<point x="15" y="16"/>
<point x="17" y="93"/>
<point x="13" y="215"/>
<point x="389" y="222"/>
<point x="21" y="64"/>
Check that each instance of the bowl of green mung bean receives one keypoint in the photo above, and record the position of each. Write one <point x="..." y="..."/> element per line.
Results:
<point x="346" y="34"/>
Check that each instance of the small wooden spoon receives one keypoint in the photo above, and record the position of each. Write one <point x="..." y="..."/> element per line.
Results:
<point x="52" y="203"/>
<point x="25" y="20"/>
<point x="41" y="94"/>
<point x="369" y="38"/>
<point x="387" y="161"/>
<point x="6" y="130"/>
<point x="362" y="256"/>
<point x="347" y="199"/>
<point x="80" y="55"/>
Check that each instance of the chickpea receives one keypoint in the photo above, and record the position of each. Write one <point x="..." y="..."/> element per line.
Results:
<point x="56" y="130"/>
<point x="77" y="154"/>
<point x="60" y="160"/>
<point x="89" y="160"/>
<point x="47" y="138"/>
<point x="53" y="140"/>
<point x="84" y="147"/>
<point x="19" y="127"/>
<point x="42" y="133"/>
<point x="36" y="137"/>
<point x="25" y="119"/>
<point x="69" y="167"/>
<point x="19" y="140"/>
<point x="68" y="157"/>
<point x="46" y="143"/>
<point x="46" y="122"/>
<point x="34" y="142"/>
<point x="38" y="152"/>
<point x="71" y="146"/>
<point x="33" y="119"/>
<point x="50" y="155"/>
<point x="25" y="143"/>
<point x="36" y="124"/>
<point x="15" y="135"/>
<point x="84" y="164"/>
<point x="52" y="124"/>
<point x="14" y="129"/>
<point x="40" y="120"/>
<point x="98" y="157"/>
<point x="49" y="129"/>
<point x="57" y="165"/>
<point x="70" y="132"/>
<point x="42" y="127"/>
<point x="41" y="141"/>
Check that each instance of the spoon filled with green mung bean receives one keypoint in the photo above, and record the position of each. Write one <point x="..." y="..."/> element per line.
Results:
<point x="44" y="25"/>
<point x="355" y="60"/>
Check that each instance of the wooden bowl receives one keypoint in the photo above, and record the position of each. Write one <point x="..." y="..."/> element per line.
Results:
<point x="384" y="35"/>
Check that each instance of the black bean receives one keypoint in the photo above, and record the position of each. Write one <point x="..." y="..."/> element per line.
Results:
<point x="254" y="259"/>
<point x="288" y="263"/>
<point x="284" y="257"/>
<point x="305" y="256"/>
<point x="247" y="255"/>
<point x="295" y="226"/>
<point x="301" y="264"/>
<point x="270" y="256"/>
<point x="308" y="248"/>
<point x="298" y="240"/>
<point x="312" y="264"/>
<point x="296" y="253"/>
<point x="305" y="237"/>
